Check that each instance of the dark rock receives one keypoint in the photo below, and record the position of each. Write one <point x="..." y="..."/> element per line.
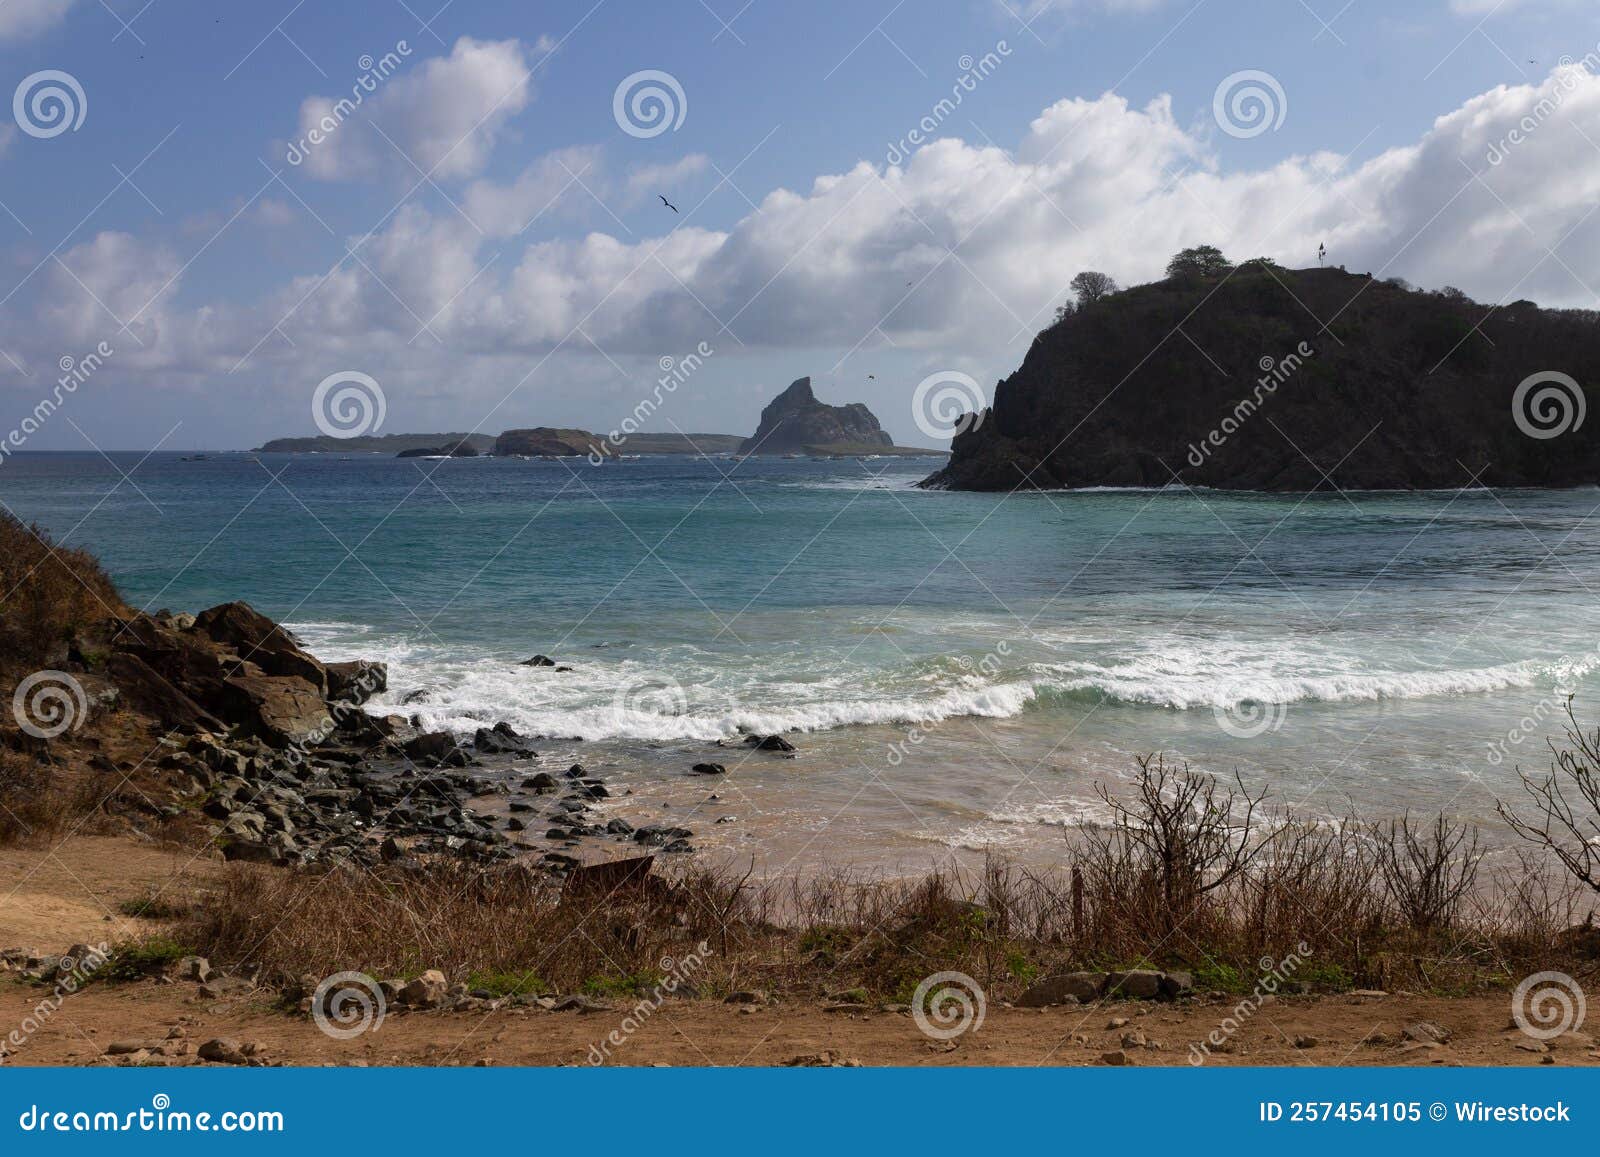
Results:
<point x="261" y="641"/>
<point x="430" y="746"/>
<point x="1065" y="988"/>
<point x="284" y="710"/>
<point x="222" y="1050"/>
<point x="145" y="689"/>
<point x="1091" y="406"/>
<point x="356" y="681"/>
<point x="539" y="661"/>
<point x="768" y="743"/>
<point x="1138" y="983"/>
<point x="543" y="783"/>
<point x="501" y="740"/>
<point x="795" y="420"/>
<point x="251" y="851"/>
<point x="709" y="769"/>
<point x="1175" y="984"/>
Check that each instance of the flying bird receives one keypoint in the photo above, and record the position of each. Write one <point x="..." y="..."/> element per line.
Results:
<point x="872" y="377"/>
<point x="668" y="203"/>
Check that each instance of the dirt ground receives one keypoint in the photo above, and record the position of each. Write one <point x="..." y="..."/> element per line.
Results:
<point x="50" y="899"/>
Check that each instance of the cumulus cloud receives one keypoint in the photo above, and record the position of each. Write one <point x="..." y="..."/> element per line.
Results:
<point x="21" y="19"/>
<point x="962" y="251"/>
<point x="442" y="116"/>
<point x="645" y="181"/>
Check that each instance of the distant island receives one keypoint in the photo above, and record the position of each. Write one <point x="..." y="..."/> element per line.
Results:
<point x="792" y="423"/>
<point x="547" y="440"/>
<point x="795" y="421"/>
<point x="1257" y="377"/>
<point x="377" y="443"/>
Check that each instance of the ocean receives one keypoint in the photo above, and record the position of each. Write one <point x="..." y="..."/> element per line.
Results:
<point x="957" y="671"/>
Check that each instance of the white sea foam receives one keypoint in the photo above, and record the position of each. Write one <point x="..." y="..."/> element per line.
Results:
<point x="721" y="695"/>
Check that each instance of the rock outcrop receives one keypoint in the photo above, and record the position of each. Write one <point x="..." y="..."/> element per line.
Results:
<point x="548" y="440"/>
<point x="795" y="421"/>
<point x="1291" y="380"/>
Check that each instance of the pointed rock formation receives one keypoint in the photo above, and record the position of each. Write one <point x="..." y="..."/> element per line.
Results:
<point x="795" y="420"/>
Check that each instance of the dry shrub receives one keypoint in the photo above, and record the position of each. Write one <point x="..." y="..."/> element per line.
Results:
<point x="48" y="595"/>
<point x="1213" y="884"/>
<point x="464" y="920"/>
<point x="37" y="800"/>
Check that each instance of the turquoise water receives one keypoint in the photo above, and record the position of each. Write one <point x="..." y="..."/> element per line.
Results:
<point x="962" y="667"/>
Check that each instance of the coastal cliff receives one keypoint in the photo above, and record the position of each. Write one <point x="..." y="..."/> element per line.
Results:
<point x="1264" y="378"/>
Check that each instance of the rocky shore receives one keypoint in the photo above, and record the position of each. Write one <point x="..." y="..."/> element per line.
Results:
<point x="281" y="759"/>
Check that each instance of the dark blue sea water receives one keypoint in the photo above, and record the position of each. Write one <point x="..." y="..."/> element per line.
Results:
<point x="962" y="667"/>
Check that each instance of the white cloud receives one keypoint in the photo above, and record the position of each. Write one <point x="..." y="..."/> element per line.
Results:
<point x="962" y="252"/>
<point x="442" y="116"/>
<point x="505" y="210"/>
<point x="646" y="181"/>
<point x="20" y="19"/>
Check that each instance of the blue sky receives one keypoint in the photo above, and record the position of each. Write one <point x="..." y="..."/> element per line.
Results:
<point x="230" y="282"/>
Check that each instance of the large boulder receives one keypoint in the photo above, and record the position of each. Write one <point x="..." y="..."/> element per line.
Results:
<point x="145" y="690"/>
<point x="1064" y="988"/>
<point x="189" y="662"/>
<point x="501" y="739"/>
<point x="1137" y="983"/>
<point x="261" y="641"/>
<point x="356" y="681"/>
<point x="283" y="710"/>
